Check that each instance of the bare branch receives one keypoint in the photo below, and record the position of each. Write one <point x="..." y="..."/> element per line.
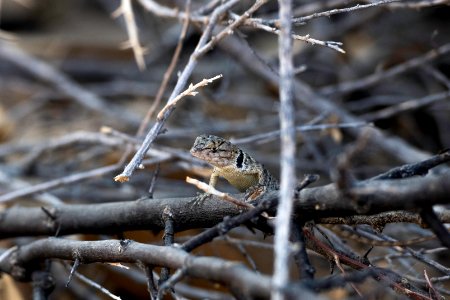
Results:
<point x="126" y="10"/>
<point x="162" y="117"/>
<point x="211" y="190"/>
<point x="306" y="38"/>
<point x="316" y="203"/>
<point x="372" y="79"/>
<point x="287" y="156"/>
<point x="63" y="83"/>
<point x="405" y="106"/>
<point x="182" y="80"/>
<point x="235" y="276"/>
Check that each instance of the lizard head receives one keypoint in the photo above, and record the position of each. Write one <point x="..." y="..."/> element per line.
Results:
<point x="215" y="150"/>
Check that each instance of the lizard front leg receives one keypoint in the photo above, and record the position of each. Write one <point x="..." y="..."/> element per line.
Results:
<point x="254" y="192"/>
<point x="265" y="183"/>
<point x="201" y="197"/>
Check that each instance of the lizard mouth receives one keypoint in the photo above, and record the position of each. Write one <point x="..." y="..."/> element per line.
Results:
<point x="199" y="153"/>
<point x="194" y="152"/>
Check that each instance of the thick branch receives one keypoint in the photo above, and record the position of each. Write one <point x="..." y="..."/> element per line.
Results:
<point x="370" y="197"/>
<point x="236" y="276"/>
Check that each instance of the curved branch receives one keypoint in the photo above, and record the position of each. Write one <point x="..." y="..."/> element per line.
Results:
<point x="236" y="276"/>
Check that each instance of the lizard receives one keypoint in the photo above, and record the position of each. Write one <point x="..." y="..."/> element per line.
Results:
<point x="233" y="164"/>
<point x="247" y="175"/>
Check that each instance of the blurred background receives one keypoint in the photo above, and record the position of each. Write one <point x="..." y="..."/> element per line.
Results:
<point x="47" y="133"/>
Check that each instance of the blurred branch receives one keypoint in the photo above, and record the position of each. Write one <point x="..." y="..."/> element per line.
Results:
<point x="267" y="136"/>
<point x="181" y="83"/>
<point x="287" y="155"/>
<point x="126" y="10"/>
<point x="166" y="12"/>
<point x="419" y="4"/>
<point x="67" y="180"/>
<point x="43" y="71"/>
<point x="374" y="78"/>
<point x="328" y="13"/>
<point x="168" y="73"/>
<point x="429" y="217"/>
<point x="303" y="93"/>
<point x="405" y="106"/>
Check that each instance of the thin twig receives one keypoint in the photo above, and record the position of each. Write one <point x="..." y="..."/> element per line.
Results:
<point x="169" y="283"/>
<point x="405" y="106"/>
<point x="268" y="136"/>
<point x="338" y="264"/>
<point x="372" y="79"/>
<point x="306" y="38"/>
<point x="70" y="179"/>
<point x="73" y="269"/>
<point x="230" y="28"/>
<point x="93" y="284"/>
<point x="243" y="251"/>
<point x="167" y="12"/>
<point x="162" y="116"/>
<point x="287" y="156"/>
<point x="151" y="286"/>
<point x="169" y="71"/>
<point x="153" y="181"/>
<point x="63" y="83"/>
<point x="418" y="4"/>
<point x="432" y="290"/>
<point x="126" y="10"/>
<point x="190" y="91"/>
<point x="211" y="190"/>
<point x="328" y="13"/>
<point x="419" y="168"/>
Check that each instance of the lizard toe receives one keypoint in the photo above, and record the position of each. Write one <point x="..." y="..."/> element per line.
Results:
<point x="199" y="199"/>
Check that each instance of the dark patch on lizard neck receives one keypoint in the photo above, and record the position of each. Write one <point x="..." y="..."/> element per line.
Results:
<point x="240" y="159"/>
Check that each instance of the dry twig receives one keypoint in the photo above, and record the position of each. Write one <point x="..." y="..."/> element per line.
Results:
<point x="126" y="10"/>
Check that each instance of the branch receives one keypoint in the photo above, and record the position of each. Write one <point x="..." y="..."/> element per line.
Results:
<point x="126" y="10"/>
<point x="287" y="155"/>
<point x="420" y="168"/>
<point x="367" y="198"/>
<point x="374" y="78"/>
<point x="45" y="72"/>
<point x="235" y="276"/>
<point x="328" y="13"/>
<point x="266" y="136"/>
<point x="167" y="12"/>
<point x="303" y="93"/>
<point x="182" y="80"/>
<point x="163" y="115"/>
<point x="405" y="106"/>
<point x="211" y="190"/>
<point x="306" y="38"/>
<point x="430" y="218"/>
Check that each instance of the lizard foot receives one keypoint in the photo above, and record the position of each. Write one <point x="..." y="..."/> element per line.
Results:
<point x="254" y="192"/>
<point x="199" y="199"/>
